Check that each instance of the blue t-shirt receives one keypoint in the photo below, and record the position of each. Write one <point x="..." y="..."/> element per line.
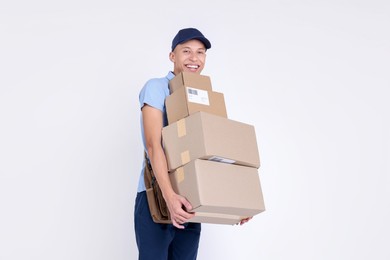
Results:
<point x="153" y="94"/>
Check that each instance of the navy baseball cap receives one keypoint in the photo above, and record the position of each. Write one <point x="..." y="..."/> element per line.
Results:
<point x="190" y="34"/>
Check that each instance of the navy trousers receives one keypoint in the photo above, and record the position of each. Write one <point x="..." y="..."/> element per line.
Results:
<point x="163" y="241"/>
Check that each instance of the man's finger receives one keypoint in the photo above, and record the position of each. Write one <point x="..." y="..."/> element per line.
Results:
<point x="186" y="203"/>
<point x="176" y="224"/>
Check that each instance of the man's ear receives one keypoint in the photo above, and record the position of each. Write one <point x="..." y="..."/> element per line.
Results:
<point x="172" y="56"/>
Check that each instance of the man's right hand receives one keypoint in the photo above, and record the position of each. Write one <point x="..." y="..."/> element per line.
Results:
<point x="178" y="208"/>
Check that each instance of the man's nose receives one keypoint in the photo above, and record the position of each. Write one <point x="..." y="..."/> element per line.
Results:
<point x="194" y="56"/>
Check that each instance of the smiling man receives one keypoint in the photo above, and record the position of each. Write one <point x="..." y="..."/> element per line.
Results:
<point x="180" y="239"/>
<point x="189" y="55"/>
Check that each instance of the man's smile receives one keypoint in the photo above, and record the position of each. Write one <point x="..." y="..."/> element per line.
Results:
<point x="192" y="66"/>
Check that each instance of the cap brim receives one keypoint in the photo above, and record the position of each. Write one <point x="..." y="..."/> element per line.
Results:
<point x="206" y="42"/>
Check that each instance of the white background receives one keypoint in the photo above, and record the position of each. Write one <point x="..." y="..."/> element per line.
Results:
<point x="311" y="76"/>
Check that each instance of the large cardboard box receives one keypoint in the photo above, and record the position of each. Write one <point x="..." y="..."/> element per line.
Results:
<point x="220" y="188"/>
<point x="186" y="101"/>
<point x="207" y="136"/>
<point x="192" y="80"/>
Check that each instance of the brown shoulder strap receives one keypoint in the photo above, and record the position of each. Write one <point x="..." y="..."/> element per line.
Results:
<point x="149" y="177"/>
<point x="157" y="205"/>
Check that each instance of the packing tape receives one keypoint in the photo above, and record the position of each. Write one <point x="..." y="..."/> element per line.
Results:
<point x="181" y="128"/>
<point x="180" y="174"/>
<point x="185" y="157"/>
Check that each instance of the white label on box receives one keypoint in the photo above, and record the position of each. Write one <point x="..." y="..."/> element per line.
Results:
<point x="198" y="96"/>
<point x="220" y="159"/>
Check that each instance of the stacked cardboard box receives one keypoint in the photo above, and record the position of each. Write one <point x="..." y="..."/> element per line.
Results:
<point x="191" y="93"/>
<point x="213" y="161"/>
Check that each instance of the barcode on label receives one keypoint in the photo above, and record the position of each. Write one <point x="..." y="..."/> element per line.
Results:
<point x="192" y="91"/>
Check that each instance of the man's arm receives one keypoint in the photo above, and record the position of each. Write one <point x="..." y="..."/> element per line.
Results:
<point x="153" y="124"/>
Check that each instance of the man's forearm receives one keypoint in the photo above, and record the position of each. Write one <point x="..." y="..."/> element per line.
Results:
<point x="160" y="169"/>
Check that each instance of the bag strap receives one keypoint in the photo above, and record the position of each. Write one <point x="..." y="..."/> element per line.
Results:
<point x="149" y="177"/>
<point x="157" y="205"/>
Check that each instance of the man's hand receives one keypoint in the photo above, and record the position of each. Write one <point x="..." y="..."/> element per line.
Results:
<point x="176" y="205"/>
<point x="243" y="221"/>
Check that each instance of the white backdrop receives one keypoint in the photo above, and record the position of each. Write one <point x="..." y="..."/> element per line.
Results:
<point x="311" y="76"/>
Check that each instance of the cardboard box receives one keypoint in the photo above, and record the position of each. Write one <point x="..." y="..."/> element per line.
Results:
<point x="186" y="101"/>
<point x="192" y="80"/>
<point x="214" y="218"/>
<point x="207" y="136"/>
<point x="220" y="188"/>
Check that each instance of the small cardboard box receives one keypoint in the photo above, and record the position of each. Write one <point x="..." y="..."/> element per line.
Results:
<point x="220" y="188"/>
<point x="186" y="101"/>
<point x="207" y="136"/>
<point x="188" y="79"/>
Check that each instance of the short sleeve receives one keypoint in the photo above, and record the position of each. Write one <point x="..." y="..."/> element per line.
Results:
<point x="153" y="94"/>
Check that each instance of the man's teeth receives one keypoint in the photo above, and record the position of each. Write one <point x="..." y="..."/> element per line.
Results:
<point x="192" y="66"/>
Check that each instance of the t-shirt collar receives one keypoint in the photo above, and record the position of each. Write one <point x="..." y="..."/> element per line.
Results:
<point x="170" y="75"/>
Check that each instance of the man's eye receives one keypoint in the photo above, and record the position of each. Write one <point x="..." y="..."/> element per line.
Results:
<point x="186" y="51"/>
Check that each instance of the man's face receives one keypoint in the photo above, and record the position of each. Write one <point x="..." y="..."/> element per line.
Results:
<point x="189" y="56"/>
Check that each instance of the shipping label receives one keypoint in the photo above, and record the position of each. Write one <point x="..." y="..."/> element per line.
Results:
<point x="221" y="159"/>
<point x="198" y="96"/>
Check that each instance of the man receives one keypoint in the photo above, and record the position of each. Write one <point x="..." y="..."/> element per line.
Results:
<point x="180" y="239"/>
